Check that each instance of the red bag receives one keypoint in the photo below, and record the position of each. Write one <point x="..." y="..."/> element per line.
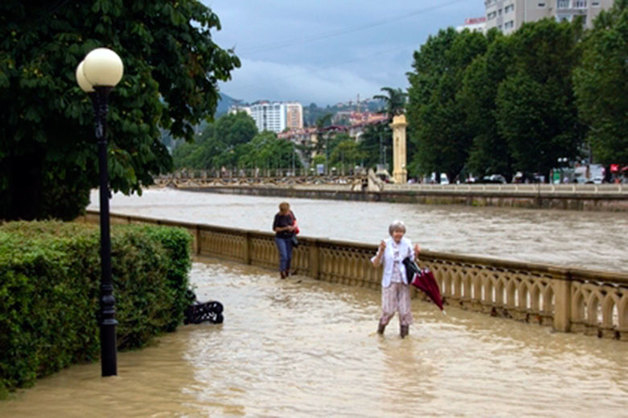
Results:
<point x="294" y="223"/>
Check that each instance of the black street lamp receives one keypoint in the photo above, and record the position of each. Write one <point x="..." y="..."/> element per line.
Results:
<point x="97" y="75"/>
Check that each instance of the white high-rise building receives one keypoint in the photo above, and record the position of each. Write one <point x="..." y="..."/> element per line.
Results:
<point x="509" y="15"/>
<point x="277" y="116"/>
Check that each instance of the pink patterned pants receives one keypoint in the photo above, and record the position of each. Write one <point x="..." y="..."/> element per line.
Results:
<point x="395" y="298"/>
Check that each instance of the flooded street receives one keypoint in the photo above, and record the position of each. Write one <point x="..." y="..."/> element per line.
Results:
<point x="595" y="240"/>
<point x="300" y="347"/>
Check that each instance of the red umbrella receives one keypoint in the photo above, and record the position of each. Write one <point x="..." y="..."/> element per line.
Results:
<point x="424" y="280"/>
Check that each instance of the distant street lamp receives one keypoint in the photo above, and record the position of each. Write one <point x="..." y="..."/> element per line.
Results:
<point x="562" y="163"/>
<point x="97" y="75"/>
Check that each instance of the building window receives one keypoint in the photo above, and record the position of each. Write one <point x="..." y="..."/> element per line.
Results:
<point x="509" y="25"/>
<point x="509" y="8"/>
<point x="562" y="4"/>
<point x="595" y="3"/>
<point x="541" y="4"/>
<point x="580" y="4"/>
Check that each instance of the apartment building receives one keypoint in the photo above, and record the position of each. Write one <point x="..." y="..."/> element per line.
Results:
<point x="268" y="116"/>
<point x="275" y="116"/>
<point x="509" y="15"/>
<point x="294" y="115"/>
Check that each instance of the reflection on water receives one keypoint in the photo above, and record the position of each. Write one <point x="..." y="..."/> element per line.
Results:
<point x="299" y="347"/>
<point x="594" y="240"/>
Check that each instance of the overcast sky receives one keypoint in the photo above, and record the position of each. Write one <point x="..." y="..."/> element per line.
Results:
<point x="328" y="51"/>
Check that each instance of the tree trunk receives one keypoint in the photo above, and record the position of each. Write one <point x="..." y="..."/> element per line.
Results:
<point x="25" y="187"/>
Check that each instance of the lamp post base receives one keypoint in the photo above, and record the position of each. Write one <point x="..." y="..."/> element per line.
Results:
<point x="108" y="355"/>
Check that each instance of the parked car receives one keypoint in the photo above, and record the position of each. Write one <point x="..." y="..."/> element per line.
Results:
<point x="525" y="177"/>
<point x="494" y="178"/>
<point x="589" y="173"/>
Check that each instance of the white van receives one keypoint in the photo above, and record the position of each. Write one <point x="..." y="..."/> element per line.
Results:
<point x="589" y="173"/>
<point x="432" y="179"/>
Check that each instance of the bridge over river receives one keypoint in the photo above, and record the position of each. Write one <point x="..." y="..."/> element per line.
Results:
<point x="596" y="197"/>
<point x="305" y="347"/>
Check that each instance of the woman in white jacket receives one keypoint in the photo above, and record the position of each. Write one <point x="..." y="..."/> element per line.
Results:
<point x="395" y="288"/>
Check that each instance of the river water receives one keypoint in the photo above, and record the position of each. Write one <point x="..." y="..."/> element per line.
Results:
<point x="596" y="240"/>
<point x="303" y="348"/>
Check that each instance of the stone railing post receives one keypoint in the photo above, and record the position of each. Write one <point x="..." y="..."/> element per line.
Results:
<point x="247" y="248"/>
<point x="197" y="240"/>
<point x="562" y="302"/>
<point x="314" y="259"/>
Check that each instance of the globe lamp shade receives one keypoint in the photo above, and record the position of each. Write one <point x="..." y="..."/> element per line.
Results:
<point x="81" y="80"/>
<point x="102" y="68"/>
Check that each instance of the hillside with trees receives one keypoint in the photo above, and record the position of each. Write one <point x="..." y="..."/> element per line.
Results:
<point x="233" y="142"/>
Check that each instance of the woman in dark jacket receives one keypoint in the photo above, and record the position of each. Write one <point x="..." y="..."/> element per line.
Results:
<point x="284" y="226"/>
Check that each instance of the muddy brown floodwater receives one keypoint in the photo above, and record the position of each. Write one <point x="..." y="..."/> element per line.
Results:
<point x="595" y="240"/>
<point x="301" y="348"/>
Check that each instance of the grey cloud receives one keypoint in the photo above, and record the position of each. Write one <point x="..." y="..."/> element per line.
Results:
<point x="329" y="49"/>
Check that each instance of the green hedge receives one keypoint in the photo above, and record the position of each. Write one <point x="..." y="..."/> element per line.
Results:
<point x="50" y="285"/>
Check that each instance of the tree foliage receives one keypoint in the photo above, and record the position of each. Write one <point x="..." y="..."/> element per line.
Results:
<point x="232" y="141"/>
<point x="394" y="101"/>
<point x="489" y="151"/>
<point x="346" y="155"/>
<point x="47" y="155"/>
<point x="601" y="85"/>
<point x="491" y="103"/>
<point x="376" y="145"/>
<point x="235" y="129"/>
<point x="435" y="111"/>
<point x="266" y="151"/>
<point x="536" y="109"/>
